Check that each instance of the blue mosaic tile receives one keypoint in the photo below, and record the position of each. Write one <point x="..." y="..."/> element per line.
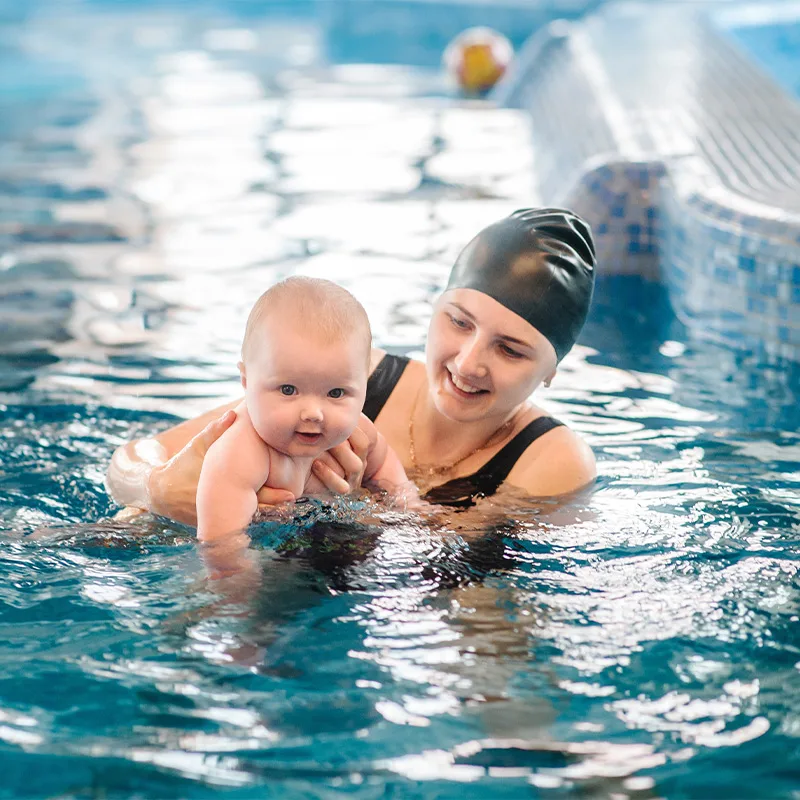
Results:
<point x="757" y="305"/>
<point x="721" y="235"/>
<point x="768" y="290"/>
<point x="747" y="263"/>
<point x="605" y="173"/>
<point x="713" y="257"/>
<point x="724" y="275"/>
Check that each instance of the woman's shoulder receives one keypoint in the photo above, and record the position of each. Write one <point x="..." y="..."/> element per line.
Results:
<point x="559" y="462"/>
<point x="377" y="357"/>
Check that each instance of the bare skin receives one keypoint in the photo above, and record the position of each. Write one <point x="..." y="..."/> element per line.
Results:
<point x="474" y="343"/>
<point x="160" y="474"/>
<point x="500" y="360"/>
<point x="557" y="464"/>
<point x="492" y="352"/>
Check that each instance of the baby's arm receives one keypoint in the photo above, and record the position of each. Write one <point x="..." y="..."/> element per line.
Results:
<point x="234" y="469"/>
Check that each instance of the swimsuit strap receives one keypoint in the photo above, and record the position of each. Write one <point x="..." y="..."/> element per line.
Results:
<point x="382" y="382"/>
<point x="486" y="480"/>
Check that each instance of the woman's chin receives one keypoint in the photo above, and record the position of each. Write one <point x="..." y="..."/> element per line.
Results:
<point x="461" y="409"/>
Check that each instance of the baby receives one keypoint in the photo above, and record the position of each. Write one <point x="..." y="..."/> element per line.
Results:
<point x="304" y="369"/>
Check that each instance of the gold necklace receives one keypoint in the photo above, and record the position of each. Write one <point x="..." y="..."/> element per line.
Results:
<point x="432" y="471"/>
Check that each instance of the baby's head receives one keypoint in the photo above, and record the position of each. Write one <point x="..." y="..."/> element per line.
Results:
<point x="305" y="364"/>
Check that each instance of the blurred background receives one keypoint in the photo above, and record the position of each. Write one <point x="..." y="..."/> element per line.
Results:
<point x="162" y="162"/>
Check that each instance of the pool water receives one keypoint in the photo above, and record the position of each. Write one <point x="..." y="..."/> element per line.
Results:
<point x="158" y="171"/>
<point x="770" y="34"/>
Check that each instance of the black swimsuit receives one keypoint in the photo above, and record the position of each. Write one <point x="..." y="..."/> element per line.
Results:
<point x="485" y="481"/>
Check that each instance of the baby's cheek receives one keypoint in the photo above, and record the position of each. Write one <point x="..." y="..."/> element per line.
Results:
<point x="344" y="424"/>
<point x="354" y="417"/>
<point x="266" y="421"/>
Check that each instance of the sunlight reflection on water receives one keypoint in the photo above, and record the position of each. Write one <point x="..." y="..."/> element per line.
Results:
<point x="165" y="174"/>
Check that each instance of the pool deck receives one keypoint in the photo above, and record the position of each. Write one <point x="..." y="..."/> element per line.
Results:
<point x="683" y="154"/>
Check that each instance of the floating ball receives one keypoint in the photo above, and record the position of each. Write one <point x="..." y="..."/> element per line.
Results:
<point x="477" y="58"/>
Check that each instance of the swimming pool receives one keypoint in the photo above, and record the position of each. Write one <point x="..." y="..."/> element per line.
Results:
<point x="770" y="33"/>
<point x="157" y="171"/>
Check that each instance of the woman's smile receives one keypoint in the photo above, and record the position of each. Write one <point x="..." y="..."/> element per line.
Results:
<point x="462" y="386"/>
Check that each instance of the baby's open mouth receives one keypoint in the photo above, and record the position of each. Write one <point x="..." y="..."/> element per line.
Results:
<point x="309" y="438"/>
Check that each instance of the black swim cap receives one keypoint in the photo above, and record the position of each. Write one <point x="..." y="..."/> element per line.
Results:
<point x="539" y="263"/>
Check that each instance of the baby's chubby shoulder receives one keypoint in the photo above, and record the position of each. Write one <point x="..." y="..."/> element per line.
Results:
<point x="241" y="434"/>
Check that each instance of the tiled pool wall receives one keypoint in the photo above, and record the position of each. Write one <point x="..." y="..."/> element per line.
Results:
<point x="731" y="263"/>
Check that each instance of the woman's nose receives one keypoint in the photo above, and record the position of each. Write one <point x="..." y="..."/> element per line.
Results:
<point x="470" y="359"/>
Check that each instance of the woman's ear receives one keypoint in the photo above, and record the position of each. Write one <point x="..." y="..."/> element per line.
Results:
<point x="242" y="374"/>
<point x="549" y="379"/>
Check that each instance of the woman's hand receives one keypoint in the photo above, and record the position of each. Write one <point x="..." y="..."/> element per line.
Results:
<point x="172" y="486"/>
<point x="268" y="497"/>
<point x="341" y="469"/>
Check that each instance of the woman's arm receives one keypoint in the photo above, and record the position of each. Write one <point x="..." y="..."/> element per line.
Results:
<point x="160" y="474"/>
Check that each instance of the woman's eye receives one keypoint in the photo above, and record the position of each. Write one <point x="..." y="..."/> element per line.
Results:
<point x="336" y="393"/>
<point x="287" y="389"/>
<point x="510" y="352"/>
<point x="459" y="323"/>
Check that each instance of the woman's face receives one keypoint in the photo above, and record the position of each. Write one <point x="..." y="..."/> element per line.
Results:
<point x="482" y="359"/>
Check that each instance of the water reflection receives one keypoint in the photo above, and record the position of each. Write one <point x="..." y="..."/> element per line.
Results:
<point x="155" y="177"/>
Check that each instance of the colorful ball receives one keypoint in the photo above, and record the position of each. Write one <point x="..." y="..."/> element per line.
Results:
<point x="477" y="58"/>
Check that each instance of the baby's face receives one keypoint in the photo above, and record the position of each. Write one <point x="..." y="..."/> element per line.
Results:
<point x="304" y="394"/>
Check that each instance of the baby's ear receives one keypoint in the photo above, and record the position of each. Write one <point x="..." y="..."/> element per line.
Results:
<point x="242" y="374"/>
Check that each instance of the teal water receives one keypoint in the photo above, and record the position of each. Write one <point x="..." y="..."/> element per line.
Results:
<point x="160" y="169"/>
<point x="772" y="38"/>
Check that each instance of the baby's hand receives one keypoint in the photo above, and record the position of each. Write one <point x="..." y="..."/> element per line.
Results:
<point x="341" y="469"/>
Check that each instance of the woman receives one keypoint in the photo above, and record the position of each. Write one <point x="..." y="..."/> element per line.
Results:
<point x="462" y="423"/>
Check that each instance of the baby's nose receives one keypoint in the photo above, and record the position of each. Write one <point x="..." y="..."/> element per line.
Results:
<point x="311" y="412"/>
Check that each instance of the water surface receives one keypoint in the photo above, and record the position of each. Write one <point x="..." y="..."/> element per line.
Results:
<point x="158" y="171"/>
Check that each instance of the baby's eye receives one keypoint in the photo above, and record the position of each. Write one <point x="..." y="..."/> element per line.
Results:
<point x="288" y="390"/>
<point x="336" y="393"/>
